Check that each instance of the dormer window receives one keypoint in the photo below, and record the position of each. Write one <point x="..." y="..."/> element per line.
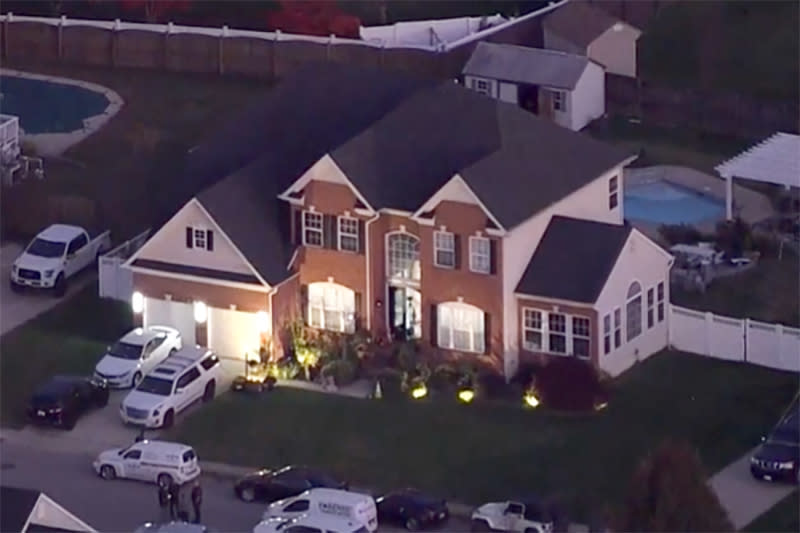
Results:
<point x="312" y="229"/>
<point x="200" y="238"/>
<point x="348" y="234"/>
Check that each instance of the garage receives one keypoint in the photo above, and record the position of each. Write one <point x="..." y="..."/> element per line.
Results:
<point x="178" y="315"/>
<point x="233" y="333"/>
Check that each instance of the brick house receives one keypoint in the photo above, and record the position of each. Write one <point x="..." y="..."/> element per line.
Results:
<point x="426" y="211"/>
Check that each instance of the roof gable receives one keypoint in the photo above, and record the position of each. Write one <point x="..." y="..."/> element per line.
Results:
<point x="573" y="259"/>
<point x="579" y="22"/>
<point x="18" y="505"/>
<point x="521" y="64"/>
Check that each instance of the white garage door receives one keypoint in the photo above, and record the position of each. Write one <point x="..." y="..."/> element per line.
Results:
<point x="232" y="333"/>
<point x="178" y="315"/>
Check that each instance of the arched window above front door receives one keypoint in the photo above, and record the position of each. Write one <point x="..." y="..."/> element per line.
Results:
<point x="402" y="257"/>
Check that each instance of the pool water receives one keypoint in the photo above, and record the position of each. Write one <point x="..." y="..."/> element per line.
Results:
<point x="663" y="202"/>
<point x="49" y="107"/>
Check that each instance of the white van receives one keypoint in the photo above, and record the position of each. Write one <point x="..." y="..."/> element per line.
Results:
<point x="154" y="461"/>
<point x="337" y="503"/>
<point x="310" y="523"/>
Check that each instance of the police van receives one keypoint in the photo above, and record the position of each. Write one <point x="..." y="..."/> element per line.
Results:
<point x="149" y="460"/>
<point x="342" y="504"/>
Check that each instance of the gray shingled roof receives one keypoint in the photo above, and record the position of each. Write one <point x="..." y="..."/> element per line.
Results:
<point x="18" y="504"/>
<point x="579" y="23"/>
<point x="521" y="64"/>
<point x="573" y="259"/>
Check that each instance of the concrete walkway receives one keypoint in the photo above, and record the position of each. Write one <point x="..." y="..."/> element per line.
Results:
<point x="742" y="496"/>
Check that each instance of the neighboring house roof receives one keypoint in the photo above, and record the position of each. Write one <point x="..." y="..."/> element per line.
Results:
<point x="521" y="64"/>
<point x="579" y="22"/>
<point x="573" y="259"/>
<point x="18" y="504"/>
<point x="28" y="511"/>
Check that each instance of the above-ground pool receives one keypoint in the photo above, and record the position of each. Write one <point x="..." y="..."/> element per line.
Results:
<point x="663" y="202"/>
<point x="47" y="106"/>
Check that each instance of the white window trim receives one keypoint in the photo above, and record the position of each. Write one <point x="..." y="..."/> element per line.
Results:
<point x="617" y="326"/>
<point x="651" y="307"/>
<point x="613" y="191"/>
<point x="345" y="325"/>
<point x="545" y="333"/>
<point x="437" y="248"/>
<point x="452" y="306"/>
<point x="347" y="235"/>
<point x="628" y="302"/>
<point x="199" y="232"/>
<point x="660" y="302"/>
<point x="559" y="99"/>
<point x="482" y="86"/>
<point x="320" y="230"/>
<point x="608" y="334"/>
<point x="473" y="254"/>
<point x="410" y="281"/>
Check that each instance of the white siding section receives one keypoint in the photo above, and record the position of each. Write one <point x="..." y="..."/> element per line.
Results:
<point x="616" y="50"/>
<point x="168" y="244"/>
<point x="454" y="190"/>
<point x="589" y="203"/>
<point x="178" y="315"/>
<point x="508" y="93"/>
<point x="588" y="99"/>
<point x="325" y="169"/>
<point x="643" y="261"/>
<point x="232" y="334"/>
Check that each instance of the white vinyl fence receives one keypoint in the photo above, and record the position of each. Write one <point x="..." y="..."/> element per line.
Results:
<point x="115" y="281"/>
<point x="772" y="345"/>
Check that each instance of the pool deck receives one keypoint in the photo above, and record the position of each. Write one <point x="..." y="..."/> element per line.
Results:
<point x="750" y="205"/>
<point x="55" y="144"/>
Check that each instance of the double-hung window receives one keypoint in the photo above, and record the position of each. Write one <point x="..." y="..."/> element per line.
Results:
<point x="580" y="337"/>
<point x="660" y="301"/>
<point x="461" y="327"/>
<point x="532" y="330"/>
<point x="651" y="307"/>
<point x="617" y="327"/>
<point x="613" y="192"/>
<point x="331" y="307"/>
<point x="607" y="334"/>
<point x="444" y="249"/>
<point x="559" y="100"/>
<point x="312" y="229"/>
<point x="557" y="333"/>
<point x="348" y="234"/>
<point x="480" y="255"/>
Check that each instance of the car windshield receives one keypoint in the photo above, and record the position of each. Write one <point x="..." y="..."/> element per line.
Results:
<point x="125" y="350"/>
<point x="43" y="248"/>
<point x="162" y="387"/>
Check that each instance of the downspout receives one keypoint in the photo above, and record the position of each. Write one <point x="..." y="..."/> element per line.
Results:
<point x="368" y="293"/>
<point x="272" y="292"/>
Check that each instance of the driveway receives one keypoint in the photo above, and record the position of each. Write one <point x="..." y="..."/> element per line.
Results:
<point x="18" y="308"/>
<point x="743" y="497"/>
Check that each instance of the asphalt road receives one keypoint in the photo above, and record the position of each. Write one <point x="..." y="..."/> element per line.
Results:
<point x="121" y="505"/>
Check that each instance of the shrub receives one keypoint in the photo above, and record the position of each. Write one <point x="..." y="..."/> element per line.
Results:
<point x="343" y="371"/>
<point x="680" y="234"/>
<point x="493" y="386"/>
<point x="734" y="237"/>
<point x="286" y="368"/>
<point x="391" y="381"/>
<point x="569" y="384"/>
<point x="444" y="378"/>
<point x="525" y="374"/>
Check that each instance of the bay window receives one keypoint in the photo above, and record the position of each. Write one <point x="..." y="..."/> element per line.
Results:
<point x="331" y="307"/>
<point x="460" y="327"/>
<point x="557" y="338"/>
<point x="580" y="337"/>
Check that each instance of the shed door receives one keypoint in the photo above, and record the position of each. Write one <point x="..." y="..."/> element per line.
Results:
<point x="178" y="315"/>
<point x="231" y="334"/>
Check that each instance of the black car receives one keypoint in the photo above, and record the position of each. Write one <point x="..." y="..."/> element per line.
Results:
<point x="63" y="399"/>
<point x="778" y="457"/>
<point x="270" y="486"/>
<point x="411" y="509"/>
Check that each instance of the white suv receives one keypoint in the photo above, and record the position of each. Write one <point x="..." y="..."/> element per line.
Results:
<point x="187" y="375"/>
<point x="136" y="354"/>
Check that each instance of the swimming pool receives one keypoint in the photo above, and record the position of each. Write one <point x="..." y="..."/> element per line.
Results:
<point x="45" y="106"/>
<point x="663" y="202"/>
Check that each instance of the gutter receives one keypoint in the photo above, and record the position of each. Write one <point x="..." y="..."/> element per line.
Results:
<point x="368" y="259"/>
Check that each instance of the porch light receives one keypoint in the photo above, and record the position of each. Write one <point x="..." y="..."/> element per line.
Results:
<point x="419" y="392"/>
<point x="600" y="406"/>
<point x="531" y="400"/>
<point x="137" y="302"/>
<point x="262" y="319"/>
<point x="200" y="312"/>
<point x="466" y="395"/>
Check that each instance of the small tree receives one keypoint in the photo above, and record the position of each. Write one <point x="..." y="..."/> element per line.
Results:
<point x="669" y="492"/>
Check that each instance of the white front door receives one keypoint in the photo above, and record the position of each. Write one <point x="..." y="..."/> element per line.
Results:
<point x="178" y="315"/>
<point x="231" y="334"/>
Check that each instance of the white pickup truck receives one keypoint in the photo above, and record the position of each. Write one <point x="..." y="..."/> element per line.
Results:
<point x="55" y="255"/>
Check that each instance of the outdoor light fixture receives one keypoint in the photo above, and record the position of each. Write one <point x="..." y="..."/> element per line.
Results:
<point x="419" y="392"/>
<point x="531" y="400"/>
<point x="200" y="312"/>
<point x="466" y="395"/>
<point x="600" y="406"/>
<point x="137" y="302"/>
<point x="262" y="319"/>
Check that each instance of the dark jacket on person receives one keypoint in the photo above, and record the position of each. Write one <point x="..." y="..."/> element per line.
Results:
<point x="197" y="495"/>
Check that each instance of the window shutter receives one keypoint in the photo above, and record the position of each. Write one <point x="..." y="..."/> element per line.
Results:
<point x="209" y="240"/>
<point x="457" y="251"/>
<point x="329" y="232"/>
<point x="434" y="325"/>
<point x="359" y="306"/>
<point x="492" y="256"/>
<point x="189" y="237"/>
<point x="304" y="303"/>
<point x="298" y="227"/>
<point x="361" y="237"/>
<point x="487" y="331"/>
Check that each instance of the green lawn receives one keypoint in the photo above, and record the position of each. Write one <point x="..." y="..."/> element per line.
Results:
<point x="783" y="518"/>
<point x="767" y="293"/>
<point x="69" y="338"/>
<point x="479" y="452"/>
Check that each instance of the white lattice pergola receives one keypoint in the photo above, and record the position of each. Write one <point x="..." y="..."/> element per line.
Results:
<point x="774" y="160"/>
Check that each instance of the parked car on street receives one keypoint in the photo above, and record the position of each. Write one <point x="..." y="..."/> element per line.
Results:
<point x="335" y="503"/>
<point x="153" y="461"/>
<point x="136" y="354"/>
<point x="310" y="523"/>
<point x="269" y="486"/>
<point x="411" y="509"/>
<point x="526" y="515"/>
<point x="778" y="457"/>
<point x="55" y="255"/>
<point x="190" y="374"/>
<point x="63" y="399"/>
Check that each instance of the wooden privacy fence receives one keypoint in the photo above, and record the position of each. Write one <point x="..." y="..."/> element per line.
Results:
<point x="113" y="279"/>
<point x="734" y="339"/>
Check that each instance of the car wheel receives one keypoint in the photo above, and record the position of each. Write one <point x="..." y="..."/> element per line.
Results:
<point x="169" y="419"/>
<point x="208" y="394"/>
<point x="60" y="286"/>
<point x="164" y="480"/>
<point x="480" y="525"/>
<point x="412" y="524"/>
<point x="137" y="377"/>
<point x="107" y="472"/>
<point x="247" y="494"/>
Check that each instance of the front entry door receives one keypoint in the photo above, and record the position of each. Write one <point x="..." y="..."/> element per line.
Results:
<point x="405" y="313"/>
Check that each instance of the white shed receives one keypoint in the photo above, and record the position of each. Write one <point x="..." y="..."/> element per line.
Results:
<point x="567" y="88"/>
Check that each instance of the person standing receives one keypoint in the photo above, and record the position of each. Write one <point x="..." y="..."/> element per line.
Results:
<point x="140" y="437"/>
<point x="183" y="505"/>
<point x="197" y="500"/>
<point x="174" y="503"/>
<point x="164" y="498"/>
